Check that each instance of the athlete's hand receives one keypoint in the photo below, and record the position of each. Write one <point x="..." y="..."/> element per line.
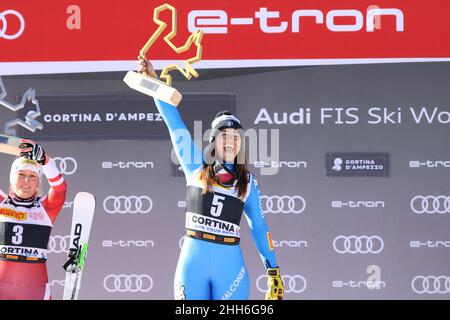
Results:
<point x="33" y="151"/>
<point x="275" y="285"/>
<point x="145" y="67"/>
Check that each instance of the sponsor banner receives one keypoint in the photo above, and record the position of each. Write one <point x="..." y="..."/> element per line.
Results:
<point x="127" y="204"/>
<point x="430" y="204"/>
<point x="85" y="36"/>
<point x="208" y="224"/>
<point x="128" y="283"/>
<point x="373" y="281"/>
<point x="431" y="284"/>
<point x="127" y="165"/>
<point x="429" y="164"/>
<point x="125" y="116"/>
<point x="354" y="244"/>
<point x="357" y="164"/>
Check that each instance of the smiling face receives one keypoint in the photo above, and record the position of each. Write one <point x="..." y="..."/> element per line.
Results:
<point x="25" y="184"/>
<point x="228" y="144"/>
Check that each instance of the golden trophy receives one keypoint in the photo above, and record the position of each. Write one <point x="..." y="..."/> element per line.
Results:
<point x="163" y="89"/>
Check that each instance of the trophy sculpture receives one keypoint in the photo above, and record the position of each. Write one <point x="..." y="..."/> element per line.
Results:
<point x="156" y="88"/>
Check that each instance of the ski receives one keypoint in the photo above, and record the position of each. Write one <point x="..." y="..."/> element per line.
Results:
<point x="83" y="214"/>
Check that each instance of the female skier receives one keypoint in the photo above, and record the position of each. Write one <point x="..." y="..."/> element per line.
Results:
<point x="211" y="265"/>
<point x="26" y="221"/>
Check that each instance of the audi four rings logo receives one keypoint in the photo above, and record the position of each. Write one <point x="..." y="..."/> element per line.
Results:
<point x="283" y="204"/>
<point x="67" y="165"/>
<point x="430" y="204"/>
<point x="127" y="204"/>
<point x="292" y="284"/>
<point x="128" y="283"/>
<point x="58" y="244"/>
<point x="4" y="16"/>
<point x="431" y="284"/>
<point x="358" y="244"/>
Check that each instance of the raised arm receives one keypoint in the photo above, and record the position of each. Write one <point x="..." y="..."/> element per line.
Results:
<point x="188" y="154"/>
<point x="54" y="200"/>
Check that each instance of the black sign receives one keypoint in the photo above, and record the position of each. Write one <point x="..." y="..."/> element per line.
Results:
<point x="130" y="116"/>
<point x="357" y="164"/>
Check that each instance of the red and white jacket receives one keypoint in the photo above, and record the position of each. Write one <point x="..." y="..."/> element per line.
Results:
<point x="25" y="226"/>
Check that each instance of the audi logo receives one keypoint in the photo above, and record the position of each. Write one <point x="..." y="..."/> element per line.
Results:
<point x="130" y="204"/>
<point x="431" y="284"/>
<point x="128" y="283"/>
<point x="67" y="165"/>
<point x="292" y="284"/>
<point x="283" y="204"/>
<point x="4" y="24"/>
<point x="430" y="204"/>
<point x="58" y="244"/>
<point x="358" y="244"/>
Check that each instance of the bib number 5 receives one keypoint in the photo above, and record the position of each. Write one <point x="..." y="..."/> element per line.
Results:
<point x="217" y="206"/>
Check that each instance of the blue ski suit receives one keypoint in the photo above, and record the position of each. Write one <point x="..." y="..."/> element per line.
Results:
<point x="211" y="264"/>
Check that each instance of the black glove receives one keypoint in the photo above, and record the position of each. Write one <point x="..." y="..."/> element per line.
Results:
<point x="31" y="150"/>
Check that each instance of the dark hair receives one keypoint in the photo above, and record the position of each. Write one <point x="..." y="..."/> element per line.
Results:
<point x="208" y="177"/>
